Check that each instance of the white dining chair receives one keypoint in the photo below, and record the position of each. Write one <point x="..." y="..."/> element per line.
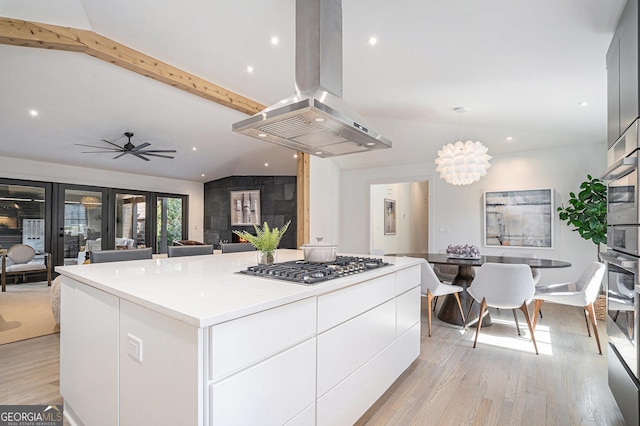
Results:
<point x="582" y="293"/>
<point x="534" y="271"/>
<point x="504" y="286"/>
<point x="432" y="287"/>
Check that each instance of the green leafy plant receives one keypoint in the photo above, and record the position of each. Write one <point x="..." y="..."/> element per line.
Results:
<point x="587" y="211"/>
<point x="266" y="240"/>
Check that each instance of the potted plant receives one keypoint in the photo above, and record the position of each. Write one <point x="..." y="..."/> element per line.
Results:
<point x="587" y="212"/>
<point x="266" y="241"/>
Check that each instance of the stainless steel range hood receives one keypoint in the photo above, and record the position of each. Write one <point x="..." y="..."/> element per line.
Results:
<point x="316" y="120"/>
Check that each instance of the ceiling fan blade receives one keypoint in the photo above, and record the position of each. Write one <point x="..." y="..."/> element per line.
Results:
<point x="98" y="152"/>
<point x="95" y="146"/>
<point x="146" y="151"/>
<point x="116" y="145"/>
<point x="142" y="145"/>
<point x="120" y="155"/>
<point x="157" y="155"/>
<point x="137" y="155"/>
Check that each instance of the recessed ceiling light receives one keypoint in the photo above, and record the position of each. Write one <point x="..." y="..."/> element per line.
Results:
<point x="263" y="135"/>
<point x="202" y="175"/>
<point x="33" y="113"/>
<point x="249" y="69"/>
<point x="275" y="40"/>
<point x="373" y="41"/>
<point x="194" y="148"/>
<point x="318" y="152"/>
<point x="295" y="155"/>
<point x="371" y="143"/>
<point x="509" y="138"/>
<point x="266" y="164"/>
<point x="583" y="103"/>
<point x="319" y="119"/>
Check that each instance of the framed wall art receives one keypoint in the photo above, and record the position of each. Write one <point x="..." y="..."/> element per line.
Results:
<point x="519" y="218"/>
<point x="245" y="207"/>
<point x="389" y="217"/>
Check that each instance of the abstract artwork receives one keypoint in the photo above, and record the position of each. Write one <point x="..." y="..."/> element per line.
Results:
<point x="519" y="218"/>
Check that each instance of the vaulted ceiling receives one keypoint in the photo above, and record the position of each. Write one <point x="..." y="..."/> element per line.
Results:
<point x="522" y="68"/>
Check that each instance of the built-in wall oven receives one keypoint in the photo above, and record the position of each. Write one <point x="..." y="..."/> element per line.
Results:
<point x="623" y="237"/>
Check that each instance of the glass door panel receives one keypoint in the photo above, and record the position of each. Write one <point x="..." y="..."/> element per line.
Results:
<point x="131" y="220"/>
<point x="82" y="226"/>
<point x="22" y="216"/>
<point x="169" y="222"/>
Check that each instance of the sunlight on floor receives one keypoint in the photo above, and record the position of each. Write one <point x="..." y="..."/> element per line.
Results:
<point x="503" y="334"/>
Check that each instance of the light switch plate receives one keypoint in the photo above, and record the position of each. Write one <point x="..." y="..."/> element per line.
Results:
<point x="134" y="347"/>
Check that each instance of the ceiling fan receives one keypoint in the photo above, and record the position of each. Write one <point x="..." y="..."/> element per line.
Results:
<point x="129" y="148"/>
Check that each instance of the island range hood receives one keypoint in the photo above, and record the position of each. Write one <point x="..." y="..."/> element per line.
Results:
<point x="316" y="120"/>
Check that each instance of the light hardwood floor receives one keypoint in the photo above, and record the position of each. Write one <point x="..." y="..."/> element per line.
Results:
<point x="450" y="384"/>
<point x="502" y="381"/>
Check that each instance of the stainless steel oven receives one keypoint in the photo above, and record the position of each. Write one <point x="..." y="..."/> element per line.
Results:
<point x="622" y="200"/>
<point x="623" y="240"/>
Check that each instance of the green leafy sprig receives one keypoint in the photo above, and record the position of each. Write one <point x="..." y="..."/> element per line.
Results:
<point x="587" y="211"/>
<point x="266" y="239"/>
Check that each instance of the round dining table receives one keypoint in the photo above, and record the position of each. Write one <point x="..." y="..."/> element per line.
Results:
<point x="449" y="311"/>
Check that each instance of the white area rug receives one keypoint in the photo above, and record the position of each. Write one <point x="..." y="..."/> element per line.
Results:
<point x="25" y="312"/>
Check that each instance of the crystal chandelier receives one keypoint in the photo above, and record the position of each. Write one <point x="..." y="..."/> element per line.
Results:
<point x="462" y="163"/>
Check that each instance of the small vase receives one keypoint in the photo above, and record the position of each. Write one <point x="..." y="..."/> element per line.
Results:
<point x="267" y="257"/>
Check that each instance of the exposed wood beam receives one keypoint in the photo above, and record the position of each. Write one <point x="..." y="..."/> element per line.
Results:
<point x="46" y="36"/>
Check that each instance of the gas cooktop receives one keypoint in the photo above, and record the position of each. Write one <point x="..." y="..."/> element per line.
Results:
<point x="301" y="272"/>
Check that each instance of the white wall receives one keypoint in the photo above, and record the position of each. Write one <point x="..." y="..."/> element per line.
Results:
<point x="50" y="172"/>
<point x="458" y="209"/>
<point x="411" y="217"/>
<point x="324" y="205"/>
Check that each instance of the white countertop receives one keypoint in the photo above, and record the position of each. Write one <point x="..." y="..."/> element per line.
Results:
<point x="205" y="290"/>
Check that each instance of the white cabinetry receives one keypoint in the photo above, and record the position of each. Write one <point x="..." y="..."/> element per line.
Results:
<point x="378" y="338"/>
<point x="320" y="359"/>
<point x="263" y="366"/>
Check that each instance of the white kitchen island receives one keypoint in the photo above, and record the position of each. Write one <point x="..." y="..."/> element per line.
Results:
<point x="188" y="341"/>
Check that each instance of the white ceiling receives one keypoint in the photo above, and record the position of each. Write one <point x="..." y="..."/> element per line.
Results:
<point x="521" y="67"/>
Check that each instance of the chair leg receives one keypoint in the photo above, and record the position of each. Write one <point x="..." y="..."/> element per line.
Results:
<point x="469" y="312"/>
<point x="515" y="317"/>
<point x="536" y="311"/>
<point x="615" y="316"/>
<point x="586" y="319"/>
<point x="464" y="322"/>
<point x="592" y="313"/>
<point x="524" y="310"/>
<point x="429" y="301"/>
<point x="483" y="307"/>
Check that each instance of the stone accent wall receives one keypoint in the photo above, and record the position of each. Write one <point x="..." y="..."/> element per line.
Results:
<point x="277" y="204"/>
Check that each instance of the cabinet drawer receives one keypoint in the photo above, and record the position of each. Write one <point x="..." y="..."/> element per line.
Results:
<point x="407" y="278"/>
<point x="345" y="348"/>
<point x="339" y="306"/>
<point x="240" y="343"/>
<point x="407" y="310"/>
<point x="270" y="393"/>
<point x="344" y="404"/>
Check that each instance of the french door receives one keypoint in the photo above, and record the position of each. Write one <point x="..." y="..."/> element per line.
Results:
<point x="170" y="219"/>
<point x="80" y="224"/>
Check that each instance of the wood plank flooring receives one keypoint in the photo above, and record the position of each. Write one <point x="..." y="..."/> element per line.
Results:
<point x="501" y="382"/>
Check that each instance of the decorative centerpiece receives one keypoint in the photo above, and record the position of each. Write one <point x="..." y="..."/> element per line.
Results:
<point x="466" y="251"/>
<point x="266" y="241"/>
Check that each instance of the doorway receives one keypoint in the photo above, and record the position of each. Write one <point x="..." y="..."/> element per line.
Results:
<point x="399" y="217"/>
<point x="80" y="223"/>
<point x="170" y="211"/>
